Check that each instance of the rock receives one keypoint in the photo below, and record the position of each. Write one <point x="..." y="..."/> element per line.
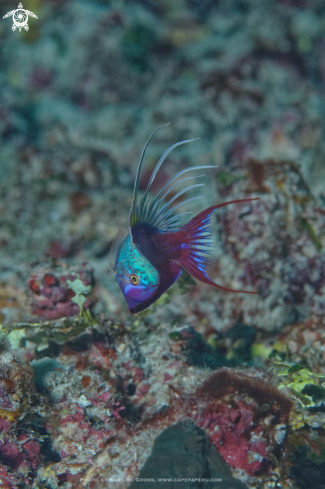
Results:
<point x="184" y="452"/>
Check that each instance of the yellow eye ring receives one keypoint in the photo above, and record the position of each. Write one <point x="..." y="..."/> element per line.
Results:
<point x="134" y="279"/>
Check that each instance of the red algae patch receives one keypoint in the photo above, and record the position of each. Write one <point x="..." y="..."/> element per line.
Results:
<point x="240" y="414"/>
<point x="231" y="428"/>
<point x="50" y="294"/>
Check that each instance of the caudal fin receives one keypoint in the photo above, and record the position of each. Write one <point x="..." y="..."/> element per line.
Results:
<point x="202" y="239"/>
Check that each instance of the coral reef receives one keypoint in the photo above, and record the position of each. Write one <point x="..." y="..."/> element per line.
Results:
<point x="124" y="392"/>
<point x="24" y="422"/>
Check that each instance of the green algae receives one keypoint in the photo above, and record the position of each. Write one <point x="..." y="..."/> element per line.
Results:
<point x="224" y="178"/>
<point x="260" y="350"/>
<point x="307" y="390"/>
<point x="175" y="336"/>
<point x="4" y="338"/>
<point x="302" y="383"/>
<point x="45" y="332"/>
<point x="308" y="228"/>
<point x="80" y="290"/>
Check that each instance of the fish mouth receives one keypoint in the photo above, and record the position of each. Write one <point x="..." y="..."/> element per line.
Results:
<point x="139" y="300"/>
<point x="125" y="287"/>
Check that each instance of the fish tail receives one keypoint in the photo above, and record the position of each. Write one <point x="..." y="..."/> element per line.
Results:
<point x="203" y="245"/>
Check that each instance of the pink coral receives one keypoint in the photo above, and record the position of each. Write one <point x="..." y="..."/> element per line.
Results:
<point x="7" y="479"/>
<point x="10" y="454"/>
<point x="31" y="450"/>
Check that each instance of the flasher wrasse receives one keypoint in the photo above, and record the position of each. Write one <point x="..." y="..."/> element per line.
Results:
<point x="151" y="257"/>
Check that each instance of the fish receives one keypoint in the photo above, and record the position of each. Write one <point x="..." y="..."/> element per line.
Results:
<point x="158" y="247"/>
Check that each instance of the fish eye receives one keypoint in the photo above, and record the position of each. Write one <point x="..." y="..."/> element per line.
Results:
<point x="134" y="279"/>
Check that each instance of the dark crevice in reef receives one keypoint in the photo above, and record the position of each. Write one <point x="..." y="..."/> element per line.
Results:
<point x="238" y="340"/>
<point x="35" y="424"/>
<point x="307" y="473"/>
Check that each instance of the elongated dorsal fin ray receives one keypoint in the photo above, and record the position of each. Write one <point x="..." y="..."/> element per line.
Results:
<point x="143" y="202"/>
<point x="164" y="220"/>
<point x="115" y="250"/>
<point x="177" y="183"/>
<point x="158" y="200"/>
<point x="132" y="216"/>
<point x="163" y="213"/>
<point x="158" y="215"/>
<point x="162" y="159"/>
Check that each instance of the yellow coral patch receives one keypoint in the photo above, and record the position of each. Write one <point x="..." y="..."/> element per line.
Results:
<point x="10" y="415"/>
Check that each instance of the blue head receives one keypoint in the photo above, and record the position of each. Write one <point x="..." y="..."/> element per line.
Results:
<point x="137" y="277"/>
